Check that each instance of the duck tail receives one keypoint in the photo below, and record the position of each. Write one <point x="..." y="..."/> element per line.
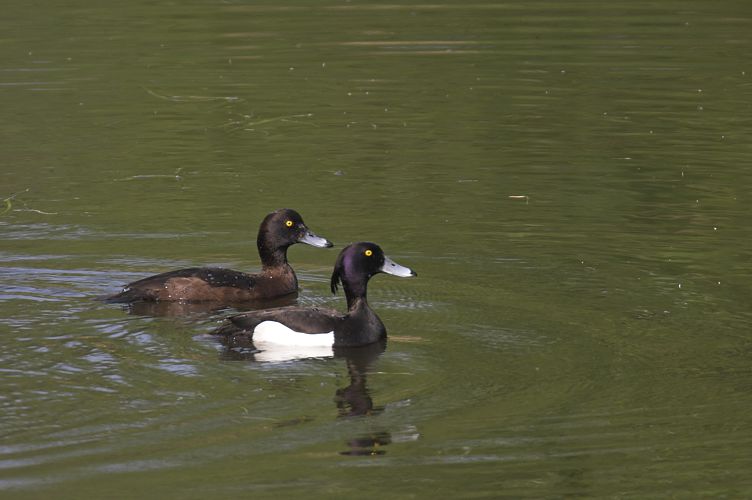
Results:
<point x="126" y="296"/>
<point x="228" y="329"/>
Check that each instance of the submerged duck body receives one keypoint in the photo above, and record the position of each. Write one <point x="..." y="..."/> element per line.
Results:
<point x="278" y="231"/>
<point x="288" y="327"/>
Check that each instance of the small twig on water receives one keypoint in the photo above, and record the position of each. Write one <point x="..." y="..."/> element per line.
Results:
<point x="8" y="202"/>
<point x="287" y="118"/>
<point x="187" y="98"/>
<point x="35" y="211"/>
<point x="176" y="176"/>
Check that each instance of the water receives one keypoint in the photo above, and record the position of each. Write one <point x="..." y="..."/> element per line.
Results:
<point x="569" y="181"/>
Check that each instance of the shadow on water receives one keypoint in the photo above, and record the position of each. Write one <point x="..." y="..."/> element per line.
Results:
<point x="180" y="309"/>
<point x="352" y="401"/>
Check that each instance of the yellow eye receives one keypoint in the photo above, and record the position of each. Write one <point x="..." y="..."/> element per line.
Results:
<point x="288" y="223"/>
<point x="368" y="253"/>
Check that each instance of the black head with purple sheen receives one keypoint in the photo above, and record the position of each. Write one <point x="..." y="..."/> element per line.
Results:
<point x="356" y="264"/>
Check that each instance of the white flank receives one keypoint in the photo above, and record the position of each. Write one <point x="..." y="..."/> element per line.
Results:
<point x="277" y="333"/>
<point x="277" y="343"/>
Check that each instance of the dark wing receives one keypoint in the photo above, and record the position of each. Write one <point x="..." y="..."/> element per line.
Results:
<point x="215" y="276"/>
<point x="153" y="287"/>
<point x="299" y="319"/>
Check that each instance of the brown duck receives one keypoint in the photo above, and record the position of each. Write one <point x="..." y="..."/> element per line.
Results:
<point x="278" y="231"/>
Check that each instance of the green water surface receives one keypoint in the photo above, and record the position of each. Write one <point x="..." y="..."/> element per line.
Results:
<point x="571" y="181"/>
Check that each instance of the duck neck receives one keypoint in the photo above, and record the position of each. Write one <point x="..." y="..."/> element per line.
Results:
<point x="362" y="326"/>
<point x="356" y="294"/>
<point x="271" y="255"/>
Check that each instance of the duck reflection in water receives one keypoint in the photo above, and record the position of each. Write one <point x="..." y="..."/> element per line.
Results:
<point x="183" y="309"/>
<point x="351" y="401"/>
<point x="355" y="399"/>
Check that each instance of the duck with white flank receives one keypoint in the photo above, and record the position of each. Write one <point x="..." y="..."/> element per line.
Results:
<point x="314" y="331"/>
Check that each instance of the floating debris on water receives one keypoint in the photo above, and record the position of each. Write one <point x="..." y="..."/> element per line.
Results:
<point x="520" y="197"/>
<point x="176" y="176"/>
<point x="8" y="205"/>
<point x="186" y="98"/>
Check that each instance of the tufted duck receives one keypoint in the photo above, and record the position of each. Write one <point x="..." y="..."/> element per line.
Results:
<point x="278" y="231"/>
<point x="316" y="331"/>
